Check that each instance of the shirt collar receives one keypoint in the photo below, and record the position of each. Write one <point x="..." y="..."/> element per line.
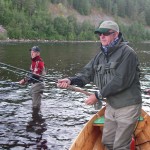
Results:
<point x="36" y="58"/>
<point x="112" y="44"/>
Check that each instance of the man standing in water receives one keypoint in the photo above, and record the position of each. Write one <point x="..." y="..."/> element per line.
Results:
<point x="115" y="72"/>
<point x="35" y="78"/>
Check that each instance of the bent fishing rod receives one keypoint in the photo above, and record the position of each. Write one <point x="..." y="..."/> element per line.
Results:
<point x="21" y="72"/>
<point x="19" y="69"/>
<point x="4" y="66"/>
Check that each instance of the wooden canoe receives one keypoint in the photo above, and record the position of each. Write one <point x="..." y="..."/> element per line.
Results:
<point x="90" y="136"/>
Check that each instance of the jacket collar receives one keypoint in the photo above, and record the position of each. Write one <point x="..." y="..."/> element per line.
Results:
<point x="37" y="58"/>
<point x="120" y="42"/>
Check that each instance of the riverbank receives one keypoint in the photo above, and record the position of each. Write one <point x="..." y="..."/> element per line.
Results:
<point x="42" y="41"/>
<point x="49" y="41"/>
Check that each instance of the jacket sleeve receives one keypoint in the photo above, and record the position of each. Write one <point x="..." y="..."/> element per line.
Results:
<point x="125" y="74"/>
<point x="85" y="76"/>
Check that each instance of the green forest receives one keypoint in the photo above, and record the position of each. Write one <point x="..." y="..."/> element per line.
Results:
<point x="32" y="19"/>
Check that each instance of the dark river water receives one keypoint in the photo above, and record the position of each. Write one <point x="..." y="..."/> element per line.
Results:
<point x="63" y="112"/>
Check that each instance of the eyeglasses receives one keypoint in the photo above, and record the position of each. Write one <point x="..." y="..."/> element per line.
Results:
<point x="106" y="33"/>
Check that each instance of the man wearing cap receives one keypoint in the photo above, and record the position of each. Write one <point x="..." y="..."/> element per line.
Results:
<point x="114" y="70"/>
<point x="37" y="69"/>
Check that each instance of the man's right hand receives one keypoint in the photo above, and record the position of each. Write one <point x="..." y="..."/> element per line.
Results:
<point x="63" y="83"/>
<point x="22" y="82"/>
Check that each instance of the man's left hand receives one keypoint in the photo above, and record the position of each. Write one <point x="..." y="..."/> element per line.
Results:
<point x="91" y="100"/>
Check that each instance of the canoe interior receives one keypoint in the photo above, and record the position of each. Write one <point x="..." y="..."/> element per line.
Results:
<point x="90" y="136"/>
<point x="142" y="133"/>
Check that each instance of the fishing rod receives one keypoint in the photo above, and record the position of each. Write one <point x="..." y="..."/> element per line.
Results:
<point x="97" y="105"/>
<point x="7" y="65"/>
<point x="13" y="67"/>
<point x="70" y="87"/>
<point x="25" y="73"/>
<point x="76" y="89"/>
<point x="20" y="74"/>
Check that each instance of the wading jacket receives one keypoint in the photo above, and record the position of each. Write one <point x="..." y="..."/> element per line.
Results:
<point x="37" y="69"/>
<point x="116" y="75"/>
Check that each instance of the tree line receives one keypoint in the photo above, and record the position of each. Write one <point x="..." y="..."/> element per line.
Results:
<point x="136" y="10"/>
<point x="30" y="19"/>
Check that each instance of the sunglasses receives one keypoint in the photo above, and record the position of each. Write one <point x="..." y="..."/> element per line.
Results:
<point x="106" y="33"/>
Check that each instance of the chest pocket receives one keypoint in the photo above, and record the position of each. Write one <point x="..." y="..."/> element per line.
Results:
<point x="104" y="73"/>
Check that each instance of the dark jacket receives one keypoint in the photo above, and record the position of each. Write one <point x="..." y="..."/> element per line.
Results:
<point x="116" y="75"/>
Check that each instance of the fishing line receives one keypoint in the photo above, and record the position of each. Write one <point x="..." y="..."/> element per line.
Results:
<point x="20" y="74"/>
<point x="14" y="67"/>
<point x="4" y="66"/>
<point x="99" y="104"/>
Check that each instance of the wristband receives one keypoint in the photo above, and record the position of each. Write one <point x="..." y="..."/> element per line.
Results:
<point x="98" y="96"/>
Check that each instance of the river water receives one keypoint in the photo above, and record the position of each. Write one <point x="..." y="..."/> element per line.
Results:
<point x="63" y="112"/>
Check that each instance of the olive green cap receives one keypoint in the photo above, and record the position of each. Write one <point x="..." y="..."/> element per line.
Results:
<point x="106" y="26"/>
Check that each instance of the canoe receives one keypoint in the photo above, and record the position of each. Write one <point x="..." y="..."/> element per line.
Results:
<point x="90" y="136"/>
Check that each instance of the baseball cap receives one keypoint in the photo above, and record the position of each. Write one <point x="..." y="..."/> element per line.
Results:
<point x="35" y="48"/>
<point x="105" y="26"/>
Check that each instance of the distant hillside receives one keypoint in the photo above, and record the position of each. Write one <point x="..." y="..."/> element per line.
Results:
<point x="95" y="17"/>
<point x="135" y="10"/>
<point x="72" y="20"/>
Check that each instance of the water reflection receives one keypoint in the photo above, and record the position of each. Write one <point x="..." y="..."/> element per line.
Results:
<point x="37" y="124"/>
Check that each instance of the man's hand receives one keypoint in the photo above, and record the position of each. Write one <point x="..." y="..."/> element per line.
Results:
<point x="22" y="82"/>
<point x="63" y="83"/>
<point x="91" y="100"/>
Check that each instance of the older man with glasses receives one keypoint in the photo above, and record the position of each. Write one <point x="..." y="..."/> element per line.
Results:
<point x="115" y="71"/>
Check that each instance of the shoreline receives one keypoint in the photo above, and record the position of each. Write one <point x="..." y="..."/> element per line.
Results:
<point x="42" y="41"/>
<point x="51" y="41"/>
